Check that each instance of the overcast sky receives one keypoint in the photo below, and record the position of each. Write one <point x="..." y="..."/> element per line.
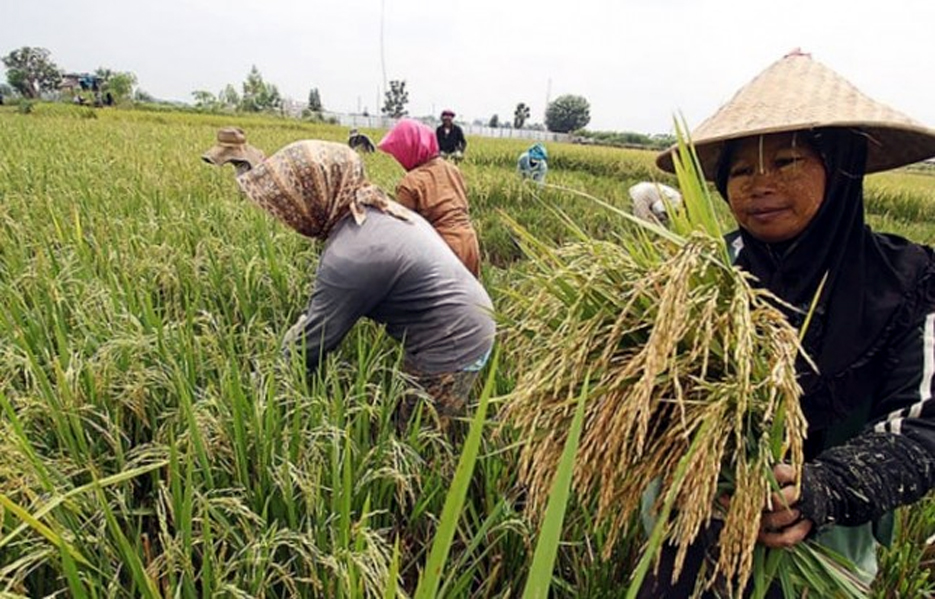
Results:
<point x="637" y="61"/>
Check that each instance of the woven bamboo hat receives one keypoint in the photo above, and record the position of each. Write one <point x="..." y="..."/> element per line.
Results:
<point x="232" y="146"/>
<point x="797" y="93"/>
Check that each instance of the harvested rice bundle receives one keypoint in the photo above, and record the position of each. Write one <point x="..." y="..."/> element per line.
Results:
<point x="692" y="383"/>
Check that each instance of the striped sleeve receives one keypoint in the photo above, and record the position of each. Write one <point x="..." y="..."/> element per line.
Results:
<point x="892" y="462"/>
<point x="906" y="397"/>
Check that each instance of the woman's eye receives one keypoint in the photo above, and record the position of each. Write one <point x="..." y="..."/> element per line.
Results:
<point x="741" y="171"/>
<point x="787" y="161"/>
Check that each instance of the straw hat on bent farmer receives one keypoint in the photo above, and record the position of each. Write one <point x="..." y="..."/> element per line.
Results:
<point x="232" y="147"/>
<point x="797" y="93"/>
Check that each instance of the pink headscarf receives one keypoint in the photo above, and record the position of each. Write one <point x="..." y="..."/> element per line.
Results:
<point x="411" y="143"/>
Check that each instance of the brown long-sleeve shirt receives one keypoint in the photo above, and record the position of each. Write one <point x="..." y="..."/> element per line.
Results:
<point x="436" y="191"/>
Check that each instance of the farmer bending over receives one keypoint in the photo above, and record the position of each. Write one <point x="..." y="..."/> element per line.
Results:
<point x="360" y="142"/>
<point x="533" y="163"/>
<point x="652" y="201"/>
<point x="434" y="188"/>
<point x="232" y="147"/>
<point x="382" y="261"/>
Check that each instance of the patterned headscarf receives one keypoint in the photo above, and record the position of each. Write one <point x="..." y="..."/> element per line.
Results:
<point x="311" y="185"/>
<point x="411" y="143"/>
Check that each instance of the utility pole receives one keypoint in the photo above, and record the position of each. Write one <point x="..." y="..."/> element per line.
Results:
<point x="382" y="52"/>
<point x="548" y="96"/>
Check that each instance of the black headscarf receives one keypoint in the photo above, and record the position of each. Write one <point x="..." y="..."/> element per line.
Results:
<point x="875" y="284"/>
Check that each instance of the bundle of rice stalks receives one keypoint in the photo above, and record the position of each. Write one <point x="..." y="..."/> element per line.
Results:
<point x="692" y="385"/>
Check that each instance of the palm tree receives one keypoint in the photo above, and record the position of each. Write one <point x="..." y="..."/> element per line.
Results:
<point x="520" y="115"/>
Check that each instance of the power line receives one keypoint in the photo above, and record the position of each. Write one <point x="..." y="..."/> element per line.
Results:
<point x="382" y="51"/>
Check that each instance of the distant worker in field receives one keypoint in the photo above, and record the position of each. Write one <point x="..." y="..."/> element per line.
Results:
<point x="434" y="188"/>
<point x="533" y="163"/>
<point x="451" y="141"/>
<point x="382" y="261"/>
<point x="651" y="201"/>
<point x="360" y="142"/>
<point x="232" y="147"/>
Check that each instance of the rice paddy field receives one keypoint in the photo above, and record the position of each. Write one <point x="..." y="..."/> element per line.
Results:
<point x="153" y="442"/>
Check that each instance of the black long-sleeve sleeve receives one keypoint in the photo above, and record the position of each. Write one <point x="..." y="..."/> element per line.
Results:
<point x="892" y="462"/>
<point x="865" y="478"/>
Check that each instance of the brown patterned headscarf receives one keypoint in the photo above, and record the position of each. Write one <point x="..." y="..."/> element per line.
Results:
<point x="311" y="185"/>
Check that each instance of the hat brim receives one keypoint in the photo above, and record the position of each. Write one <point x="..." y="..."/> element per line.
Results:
<point x="889" y="146"/>
<point x="220" y="154"/>
<point x="797" y="93"/>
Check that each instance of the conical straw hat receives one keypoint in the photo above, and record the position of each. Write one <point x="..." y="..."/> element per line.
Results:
<point x="798" y="93"/>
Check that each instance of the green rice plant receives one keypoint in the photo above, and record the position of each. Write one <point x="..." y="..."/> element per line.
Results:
<point x="907" y="567"/>
<point x="143" y="301"/>
<point x="543" y="560"/>
<point x="693" y="386"/>
<point x="441" y="545"/>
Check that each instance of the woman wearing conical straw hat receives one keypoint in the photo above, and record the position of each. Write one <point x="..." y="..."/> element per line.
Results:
<point x="789" y="153"/>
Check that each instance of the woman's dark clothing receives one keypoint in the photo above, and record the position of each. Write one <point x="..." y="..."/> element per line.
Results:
<point x="870" y="413"/>
<point x="361" y="143"/>
<point x="452" y="140"/>
<point x="871" y="437"/>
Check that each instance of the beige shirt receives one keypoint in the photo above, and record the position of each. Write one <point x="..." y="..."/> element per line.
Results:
<point x="648" y="203"/>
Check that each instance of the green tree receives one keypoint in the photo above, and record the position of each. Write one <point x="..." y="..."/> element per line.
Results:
<point x="396" y="99"/>
<point x="259" y="96"/>
<point x="520" y="115"/>
<point x="229" y="98"/>
<point x="205" y="100"/>
<point x="121" y="85"/>
<point x="143" y="96"/>
<point x="661" y="141"/>
<point x="494" y="121"/>
<point x="30" y="71"/>
<point x="314" y="101"/>
<point x="567" y="113"/>
<point x="104" y="74"/>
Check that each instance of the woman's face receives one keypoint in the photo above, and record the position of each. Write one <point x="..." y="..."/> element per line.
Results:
<point x="775" y="186"/>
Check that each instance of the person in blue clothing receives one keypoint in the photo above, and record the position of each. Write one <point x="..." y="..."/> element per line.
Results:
<point x="533" y="163"/>
<point x="789" y="153"/>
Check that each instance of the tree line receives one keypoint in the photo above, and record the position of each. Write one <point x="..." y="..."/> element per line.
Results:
<point x="32" y="74"/>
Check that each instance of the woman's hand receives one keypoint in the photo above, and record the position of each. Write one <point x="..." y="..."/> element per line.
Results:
<point x="783" y="525"/>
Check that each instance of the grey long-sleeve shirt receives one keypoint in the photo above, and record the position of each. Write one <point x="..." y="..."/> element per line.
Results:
<point x="403" y="275"/>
